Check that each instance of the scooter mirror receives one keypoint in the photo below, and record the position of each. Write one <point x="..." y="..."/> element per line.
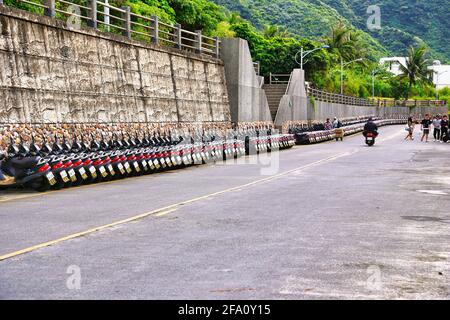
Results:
<point x="13" y="149"/>
<point x="34" y="148"/>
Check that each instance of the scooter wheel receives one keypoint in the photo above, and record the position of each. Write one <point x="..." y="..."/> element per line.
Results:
<point x="41" y="185"/>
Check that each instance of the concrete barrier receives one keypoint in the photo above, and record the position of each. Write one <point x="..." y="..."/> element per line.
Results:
<point x="52" y="73"/>
<point x="248" y="101"/>
<point x="296" y="106"/>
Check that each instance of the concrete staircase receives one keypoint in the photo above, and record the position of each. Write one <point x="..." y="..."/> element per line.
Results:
<point x="274" y="93"/>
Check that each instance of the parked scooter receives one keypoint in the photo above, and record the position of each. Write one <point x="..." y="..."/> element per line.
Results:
<point x="73" y="162"/>
<point x="27" y="167"/>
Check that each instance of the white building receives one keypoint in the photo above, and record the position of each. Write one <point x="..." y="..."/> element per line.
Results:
<point x="393" y="64"/>
<point x="441" y="74"/>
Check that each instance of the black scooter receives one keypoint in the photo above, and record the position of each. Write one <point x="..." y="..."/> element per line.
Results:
<point x="27" y="167"/>
<point x="370" y="137"/>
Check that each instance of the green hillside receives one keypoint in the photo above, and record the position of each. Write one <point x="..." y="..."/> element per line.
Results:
<point x="403" y="22"/>
<point x="277" y="29"/>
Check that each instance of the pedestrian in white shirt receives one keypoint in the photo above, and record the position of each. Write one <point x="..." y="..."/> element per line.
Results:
<point x="437" y="128"/>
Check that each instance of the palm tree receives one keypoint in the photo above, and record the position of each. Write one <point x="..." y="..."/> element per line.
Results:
<point x="272" y="31"/>
<point x="343" y="41"/>
<point x="416" y="69"/>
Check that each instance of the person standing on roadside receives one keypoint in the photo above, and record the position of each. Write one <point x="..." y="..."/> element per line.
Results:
<point x="337" y="123"/>
<point x="444" y="128"/>
<point x="328" y="125"/>
<point x="425" y="127"/>
<point x="410" y="128"/>
<point x="437" y="128"/>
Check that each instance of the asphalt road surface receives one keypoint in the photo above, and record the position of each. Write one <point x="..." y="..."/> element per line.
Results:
<point x="336" y="220"/>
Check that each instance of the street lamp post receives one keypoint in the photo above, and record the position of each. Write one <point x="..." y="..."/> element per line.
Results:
<point x="303" y="54"/>
<point x="373" y="85"/>
<point x="342" y="71"/>
<point x="374" y="72"/>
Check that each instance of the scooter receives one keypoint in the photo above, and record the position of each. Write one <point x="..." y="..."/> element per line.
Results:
<point x="27" y="167"/>
<point x="370" y="138"/>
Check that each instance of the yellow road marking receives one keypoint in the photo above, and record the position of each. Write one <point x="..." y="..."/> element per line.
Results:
<point x="163" y="213"/>
<point x="157" y="212"/>
<point x="8" y="197"/>
<point x="173" y="207"/>
<point x="165" y="210"/>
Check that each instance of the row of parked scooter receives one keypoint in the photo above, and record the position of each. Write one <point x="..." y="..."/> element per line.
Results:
<point x="304" y="135"/>
<point x="63" y="164"/>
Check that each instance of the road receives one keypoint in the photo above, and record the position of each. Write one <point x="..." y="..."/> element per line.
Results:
<point x="330" y="221"/>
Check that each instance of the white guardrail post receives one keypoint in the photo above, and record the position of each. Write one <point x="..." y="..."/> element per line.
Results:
<point x="155" y="34"/>
<point x="199" y="41"/>
<point x="93" y="14"/>
<point x="49" y="11"/>
<point x="178" y="39"/>
<point x="127" y="22"/>
<point x="217" y="48"/>
<point x="213" y="44"/>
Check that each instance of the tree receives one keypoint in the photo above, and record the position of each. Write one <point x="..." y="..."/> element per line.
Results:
<point x="197" y="14"/>
<point x="272" y="31"/>
<point x="234" y="18"/>
<point x="343" y="42"/>
<point x="415" y="71"/>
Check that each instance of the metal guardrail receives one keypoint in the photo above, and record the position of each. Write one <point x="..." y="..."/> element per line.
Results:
<point x="105" y="17"/>
<point x="279" y="78"/>
<point x="355" y="101"/>
<point x="409" y="103"/>
<point x="338" y="98"/>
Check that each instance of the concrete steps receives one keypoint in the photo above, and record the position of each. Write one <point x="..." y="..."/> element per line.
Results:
<point x="274" y="93"/>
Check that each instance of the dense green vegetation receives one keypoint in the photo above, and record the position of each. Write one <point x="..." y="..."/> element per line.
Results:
<point x="404" y="22"/>
<point x="277" y="29"/>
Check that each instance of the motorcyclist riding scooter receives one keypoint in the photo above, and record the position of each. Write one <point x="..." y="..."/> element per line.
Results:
<point x="370" y="132"/>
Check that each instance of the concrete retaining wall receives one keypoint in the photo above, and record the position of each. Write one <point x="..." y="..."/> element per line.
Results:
<point x="248" y="100"/>
<point x="296" y="106"/>
<point x="387" y="112"/>
<point x="319" y="110"/>
<point x="52" y="74"/>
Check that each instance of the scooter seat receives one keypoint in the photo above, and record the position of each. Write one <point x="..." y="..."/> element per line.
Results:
<point x="24" y="163"/>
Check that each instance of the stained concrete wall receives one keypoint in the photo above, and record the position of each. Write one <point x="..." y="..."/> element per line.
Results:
<point x="320" y="110"/>
<point x="387" y="112"/>
<point x="248" y="101"/>
<point x="296" y="106"/>
<point x="50" y="73"/>
<point x="293" y="105"/>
